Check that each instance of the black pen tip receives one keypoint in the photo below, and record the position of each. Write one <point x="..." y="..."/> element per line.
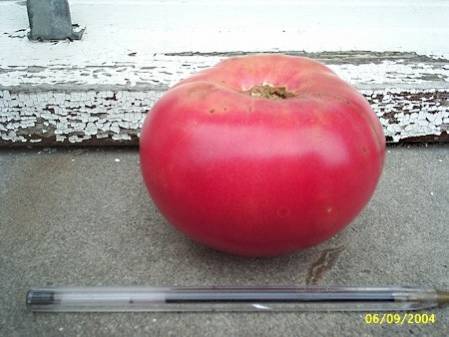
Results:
<point x="40" y="297"/>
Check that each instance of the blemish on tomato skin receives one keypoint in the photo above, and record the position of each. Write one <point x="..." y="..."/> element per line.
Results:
<point x="283" y="212"/>
<point x="211" y="111"/>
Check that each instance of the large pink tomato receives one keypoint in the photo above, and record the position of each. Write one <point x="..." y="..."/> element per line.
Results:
<point x="261" y="155"/>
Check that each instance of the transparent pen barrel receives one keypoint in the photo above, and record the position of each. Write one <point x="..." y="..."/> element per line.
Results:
<point x="230" y="299"/>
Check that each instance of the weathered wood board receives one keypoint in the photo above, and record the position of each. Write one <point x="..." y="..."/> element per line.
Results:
<point x="98" y="90"/>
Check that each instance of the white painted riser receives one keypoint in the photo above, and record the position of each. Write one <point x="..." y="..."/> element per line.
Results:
<point x="98" y="90"/>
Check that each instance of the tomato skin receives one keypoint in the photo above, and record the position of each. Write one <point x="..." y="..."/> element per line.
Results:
<point x="259" y="177"/>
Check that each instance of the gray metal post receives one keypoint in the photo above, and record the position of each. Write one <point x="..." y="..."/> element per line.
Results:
<point x="50" y="20"/>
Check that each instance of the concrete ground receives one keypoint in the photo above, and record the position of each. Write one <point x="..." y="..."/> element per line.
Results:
<point x="83" y="217"/>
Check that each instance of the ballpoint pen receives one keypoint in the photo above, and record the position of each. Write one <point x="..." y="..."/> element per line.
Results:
<point x="203" y="299"/>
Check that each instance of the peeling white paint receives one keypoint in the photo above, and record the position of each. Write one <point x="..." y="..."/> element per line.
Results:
<point x="402" y="113"/>
<point x="75" y="118"/>
<point x="406" y="114"/>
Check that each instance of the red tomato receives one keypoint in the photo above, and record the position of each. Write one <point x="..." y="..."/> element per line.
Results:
<point x="261" y="155"/>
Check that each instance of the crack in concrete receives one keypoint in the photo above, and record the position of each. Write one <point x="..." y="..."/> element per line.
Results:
<point x="325" y="262"/>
